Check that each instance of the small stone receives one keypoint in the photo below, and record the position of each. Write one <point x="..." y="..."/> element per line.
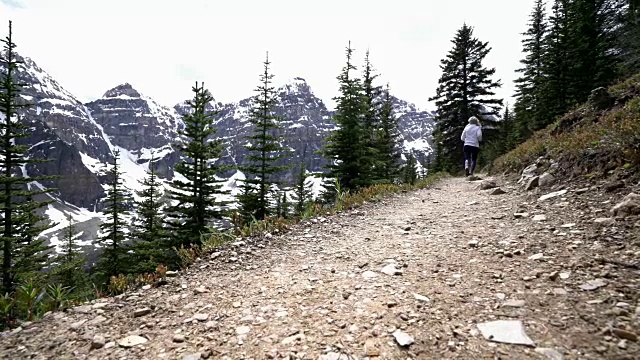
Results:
<point x="473" y="243"/>
<point x="402" y="338"/>
<point x="98" y="342"/>
<point x="540" y="217"/>
<point x="532" y="183"/>
<point x="553" y="275"/>
<point x="131" y="341"/>
<point x="194" y="356"/>
<point x="514" y="303"/>
<point x="421" y="297"/>
<point x="520" y="215"/>
<point x="497" y="191"/>
<point x="625" y="334"/>
<point x="623" y="344"/>
<point x="545" y="180"/>
<point x="593" y="285"/>
<point x="369" y="275"/>
<point x="565" y="275"/>
<point x="171" y="273"/>
<point x="371" y="348"/>
<point x="538" y="256"/>
<point x="549" y="353"/>
<point x="78" y="324"/>
<point x="141" y="312"/>
<point x="488" y="184"/>
<point x="178" y="338"/>
<point x="201" y="317"/>
<point x="241" y="330"/>
<point x="391" y="270"/>
<point x="604" y="221"/>
<point x="560" y="291"/>
<point x="201" y="290"/>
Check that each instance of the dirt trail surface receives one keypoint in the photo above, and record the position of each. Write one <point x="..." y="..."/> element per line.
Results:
<point x="426" y="269"/>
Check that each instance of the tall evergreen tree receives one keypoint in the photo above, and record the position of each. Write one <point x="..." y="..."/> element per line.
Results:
<point x="264" y="149"/>
<point x="629" y="38"/>
<point x="151" y="242"/>
<point x="303" y="191"/>
<point x="196" y="203"/>
<point x="69" y="261"/>
<point x="386" y="141"/>
<point x="114" y="258"/>
<point x="370" y="162"/>
<point x="465" y="88"/>
<point x="344" y="148"/>
<point x="410" y="170"/>
<point x="528" y="86"/>
<point x="23" y="254"/>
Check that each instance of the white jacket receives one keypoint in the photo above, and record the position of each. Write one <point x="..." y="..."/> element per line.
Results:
<point x="472" y="135"/>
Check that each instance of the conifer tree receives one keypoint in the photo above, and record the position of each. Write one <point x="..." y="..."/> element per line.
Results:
<point x="264" y="149"/>
<point x="114" y="258"/>
<point x="69" y="262"/>
<point x="386" y="141"/>
<point x="284" y="206"/>
<point x="529" y="105"/>
<point x="344" y="148"/>
<point x="410" y="171"/>
<point x="151" y="242"/>
<point x="196" y="198"/>
<point x="23" y="254"/>
<point x="629" y="38"/>
<point x="303" y="192"/>
<point x="371" y="122"/>
<point x="465" y="89"/>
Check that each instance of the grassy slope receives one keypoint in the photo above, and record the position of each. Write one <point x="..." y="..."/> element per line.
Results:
<point x="587" y="141"/>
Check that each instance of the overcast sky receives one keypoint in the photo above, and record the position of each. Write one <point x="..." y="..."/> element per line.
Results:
<point x="162" y="47"/>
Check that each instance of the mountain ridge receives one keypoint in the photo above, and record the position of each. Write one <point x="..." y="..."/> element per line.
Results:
<point x="82" y="138"/>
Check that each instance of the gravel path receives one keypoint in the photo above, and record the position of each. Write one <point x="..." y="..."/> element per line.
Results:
<point x="453" y="256"/>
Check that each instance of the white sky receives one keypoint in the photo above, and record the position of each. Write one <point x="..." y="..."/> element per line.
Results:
<point x="162" y="47"/>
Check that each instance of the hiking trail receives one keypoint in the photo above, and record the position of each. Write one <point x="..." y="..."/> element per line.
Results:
<point x="420" y="269"/>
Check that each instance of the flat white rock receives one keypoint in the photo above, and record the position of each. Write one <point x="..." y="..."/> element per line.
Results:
<point x="552" y="195"/>
<point x="505" y="331"/>
<point x="421" y="297"/>
<point x="402" y="338"/>
<point x="132" y="340"/>
<point x="391" y="270"/>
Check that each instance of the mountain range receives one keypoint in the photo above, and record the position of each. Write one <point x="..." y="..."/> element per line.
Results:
<point x="82" y="138"/>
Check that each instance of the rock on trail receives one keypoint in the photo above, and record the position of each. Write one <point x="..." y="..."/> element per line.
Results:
<point x="418" y="275"/>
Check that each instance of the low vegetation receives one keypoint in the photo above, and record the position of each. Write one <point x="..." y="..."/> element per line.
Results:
<point x="589" y="140"/>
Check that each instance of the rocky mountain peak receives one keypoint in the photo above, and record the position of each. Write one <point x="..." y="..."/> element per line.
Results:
<point x="124" y="89"/>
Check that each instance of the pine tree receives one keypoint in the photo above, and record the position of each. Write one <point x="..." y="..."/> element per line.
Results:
<point x="114" y="258"/>
<point x="371" y="122"/>
<point x="303" y="191"/>
<point x="264" y="148"/>
<point x="284" y="206"/>
<point x="465" y="89"/>
<point x="196" y="203"/>
<point x="410" y="171"/>
<point x="344" y="148"/>
<point x="629" y="38"/>
<point x="528" y="86"/>
<point x="388" y="152"/>
<point x="151" y="243"/>
<point x="592" y="45"/>
<point x="69" y="262"/>
<point x="23" y="254"/>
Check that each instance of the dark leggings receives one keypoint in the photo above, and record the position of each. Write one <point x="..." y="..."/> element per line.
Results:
<point x="471" y="153"/>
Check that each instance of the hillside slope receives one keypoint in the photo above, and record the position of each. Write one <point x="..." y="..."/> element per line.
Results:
<point x="598" y="139"/>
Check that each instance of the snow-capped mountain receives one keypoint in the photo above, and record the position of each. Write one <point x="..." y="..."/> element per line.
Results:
<point x="82" y="138"/>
